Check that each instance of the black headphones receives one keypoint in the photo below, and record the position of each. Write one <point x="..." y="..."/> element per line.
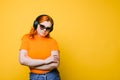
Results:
<point x="36" y="22"/>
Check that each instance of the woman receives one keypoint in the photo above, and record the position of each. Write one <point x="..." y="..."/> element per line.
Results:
<point x="39" y="51"/>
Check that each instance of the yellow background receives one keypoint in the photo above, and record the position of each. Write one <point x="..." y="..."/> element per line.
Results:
<point x="88" y="33"/>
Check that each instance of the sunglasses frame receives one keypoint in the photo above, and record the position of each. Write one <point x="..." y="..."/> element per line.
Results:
<point x="42" y="27"/>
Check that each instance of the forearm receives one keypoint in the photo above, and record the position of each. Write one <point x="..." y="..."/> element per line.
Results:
<point x="26" y="60"/>
<point x="34" y="62"/>
<point x="50" y="66"/>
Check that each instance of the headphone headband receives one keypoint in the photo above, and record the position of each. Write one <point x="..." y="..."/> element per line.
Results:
<point x="36" y="22"/>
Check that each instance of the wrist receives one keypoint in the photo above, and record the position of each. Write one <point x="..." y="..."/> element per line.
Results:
<point x="46" y="61"/>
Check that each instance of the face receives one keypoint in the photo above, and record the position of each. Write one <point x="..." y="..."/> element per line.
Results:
<point x="44" y="28"/>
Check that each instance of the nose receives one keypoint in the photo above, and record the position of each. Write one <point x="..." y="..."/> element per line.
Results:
<point x="44" y="29"/>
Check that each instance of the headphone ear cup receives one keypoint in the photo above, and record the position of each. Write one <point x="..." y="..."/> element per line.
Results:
<point x="51" y="29"/>
<point x="35" y="24"/>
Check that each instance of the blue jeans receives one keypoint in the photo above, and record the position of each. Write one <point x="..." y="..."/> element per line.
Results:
<point x="53" y="75"/>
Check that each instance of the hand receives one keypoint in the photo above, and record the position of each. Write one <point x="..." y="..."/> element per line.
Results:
<point x="55" y="53"/>
<point x="54" y="58"/>
<point x="50" y="59"/>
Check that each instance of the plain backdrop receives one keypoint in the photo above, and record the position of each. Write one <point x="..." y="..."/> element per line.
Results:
<point x="87" y="31"/>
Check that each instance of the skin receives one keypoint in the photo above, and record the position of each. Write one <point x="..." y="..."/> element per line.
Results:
<point x="49" y="63"/>
<point x="43" y="32"/>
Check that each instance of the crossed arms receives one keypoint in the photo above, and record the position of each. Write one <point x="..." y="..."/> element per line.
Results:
<point x="47" y="64"/>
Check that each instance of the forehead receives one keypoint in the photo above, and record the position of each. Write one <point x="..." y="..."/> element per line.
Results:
<point x="46" y="23"/>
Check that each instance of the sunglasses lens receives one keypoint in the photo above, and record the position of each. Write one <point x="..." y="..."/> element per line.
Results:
<point x="48" y="29"/>
<point x="43" y="27"/>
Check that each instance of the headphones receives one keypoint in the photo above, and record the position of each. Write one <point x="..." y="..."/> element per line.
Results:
<point x="36" y="22"/>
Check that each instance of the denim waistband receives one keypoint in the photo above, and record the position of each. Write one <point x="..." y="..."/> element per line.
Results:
<point x="53" y="71"/>
<point x="52" y="75"/>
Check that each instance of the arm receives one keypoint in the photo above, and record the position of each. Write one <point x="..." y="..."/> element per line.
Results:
<point x="52" y="65"/>
<point x="26" y="60"/>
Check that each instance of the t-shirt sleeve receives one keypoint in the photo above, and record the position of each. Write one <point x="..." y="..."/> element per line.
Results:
<point x="54" y="45"/>
<point x="24" y="43"/>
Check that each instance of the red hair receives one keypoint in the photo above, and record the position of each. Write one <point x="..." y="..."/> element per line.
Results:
<point x="41" y="19"/>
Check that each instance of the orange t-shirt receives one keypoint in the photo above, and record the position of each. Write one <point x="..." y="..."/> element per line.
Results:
<point x="38" y="48"/>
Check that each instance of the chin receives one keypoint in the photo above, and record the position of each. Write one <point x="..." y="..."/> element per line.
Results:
<point x="43" y="35"/>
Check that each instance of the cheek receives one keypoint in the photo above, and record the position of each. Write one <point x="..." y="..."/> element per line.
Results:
<point x="38" y="30"/>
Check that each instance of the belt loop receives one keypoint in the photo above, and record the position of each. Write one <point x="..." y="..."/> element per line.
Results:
<point x="45" y="76"/>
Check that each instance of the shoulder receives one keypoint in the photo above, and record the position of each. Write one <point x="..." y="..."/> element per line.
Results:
<point x="53" y="40"/>
<point x="25" y="37"/>
<point x="54" y="44"/>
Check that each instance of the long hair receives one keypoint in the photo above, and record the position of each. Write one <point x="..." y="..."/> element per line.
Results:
<point x="40" y="19"/>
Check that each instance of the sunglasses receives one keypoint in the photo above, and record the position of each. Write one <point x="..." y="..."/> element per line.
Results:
<point x="42" y="27"/>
